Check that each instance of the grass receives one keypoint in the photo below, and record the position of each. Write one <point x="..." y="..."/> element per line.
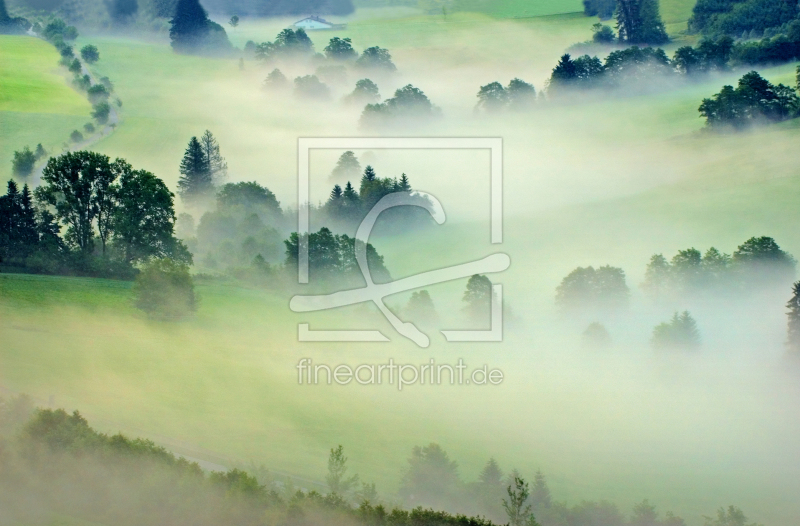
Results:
<point x="37" y="105"/>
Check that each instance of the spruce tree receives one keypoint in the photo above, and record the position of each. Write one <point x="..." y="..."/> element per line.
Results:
<point x="404" y="185"/>
<point x="189" y="27"/>
<point x="793" y="340"/>
<point x="196" y="180"/>
<point x="217" y="166"/>
<point x="639" y="22"/>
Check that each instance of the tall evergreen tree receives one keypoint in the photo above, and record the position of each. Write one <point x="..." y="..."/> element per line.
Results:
<point x="793" y="340"/>
<point x="196" y="180"/>
<point x="189" y="26"/>
<point x="346" y="166"/>
<point x="217" y="166"/>
<point x="639" y="22"/>
<point x="404" y="185"/>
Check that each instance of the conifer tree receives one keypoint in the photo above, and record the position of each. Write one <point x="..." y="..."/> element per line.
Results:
<point x="217" y="166"/>
<point x="793" y="340"/>
<point x="350" y="193"/>
<point x="639" y="22"/>
<point x="404" y="184"/>
<point x="196" y="180"/>
<point x="189" y="26"/>
<point x="369" y="175"/>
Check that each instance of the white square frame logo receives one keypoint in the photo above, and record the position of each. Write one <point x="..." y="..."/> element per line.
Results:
<point x="495" y="147"/>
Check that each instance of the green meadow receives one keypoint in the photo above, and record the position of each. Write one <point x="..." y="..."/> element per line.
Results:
<point x="37" y="105"/>
<point x="594" y="182"/>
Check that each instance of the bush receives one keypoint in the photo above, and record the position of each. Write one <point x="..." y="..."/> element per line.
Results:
<point x="75" y="66"/>
<point x="678" y="333"/>
<point x="101" y="112"/>
<point x="89" y="127"/>
<point x="164" y="289"/>
<point x="90" y="54"/>
<point x="76" y="136"/>
<point x="97" y="93"/>
<point x="23" y="162"/>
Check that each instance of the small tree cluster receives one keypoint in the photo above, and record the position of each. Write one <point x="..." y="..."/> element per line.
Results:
<point x="288" y="44"/>
<point x="365" y="92"/>
<point x="754" y="100"/>
<point x="518" y="95"/>
<point x="678" y="333"/>
<point x="201" y="169"/>
<point x="588" y="289"/>
<point x="408" y="103"/>
<point x="620" y="69"/>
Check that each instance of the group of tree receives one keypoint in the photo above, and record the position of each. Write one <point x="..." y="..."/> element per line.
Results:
<point x="757" y="262"/>
<point x="623" y="68"/>
<point x="122" y="11"/>
<point x="292" y="44"/>
<point x="202" y="169"/>
<point x="408" y="105"/>
<point x="346" y="207"/>
<point x="192" y="32"/>
<point x="12" y="25"/>
<point x="604" y="9"/>
<point x="115" y="217"/>
<point x="518" y="95"/>
<point x="241" y="235"/>
<point x="638" y="21"/>
<point x="589" y="290"/>
<point x="679" y="333"/>
<point x="742" y="17"/>
<point x="754" y="100"/>
<point x="25" y="160"/>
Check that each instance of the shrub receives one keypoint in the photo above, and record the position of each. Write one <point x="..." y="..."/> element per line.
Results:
<point x="76" y="136"/>
<point x="164" y="289"/>
<point x="23" y="162"/>
<point x="90" y="54"/>
<point x="101" y="112"/>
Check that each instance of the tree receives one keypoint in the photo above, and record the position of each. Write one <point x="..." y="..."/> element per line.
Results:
<point x="540" y="495"/>
<point x="490" y="488"/>
<point x="90" y="54"/>
<point x="733" y="516"/>
<point x="217" y="167"/>
<point x="101" y="112"/>
<point x="521" y="95"/>
<point x="122" y="10"/>
<point x="276" y="80"/>
<point x="760" y="260"/>
<point x="600" y="8"/>
<point x="143" y="221"/>
<point x="78" y="186"/>
<point x="234" y="21"/>
<point x="376" y="58"/>
<point x="346" y="166"/>
<point x="196" y="180"/>
<point x="18" y="228"/>
<point x="478" y="297"/>
<point x="164" y="289"/>
<point x="190" y="27"/>
<point x="602" y="34"/>
<point x="679" y="333"/>
<point x="432" y="478"/>
<point x="23" y="162"/>
<point x="337" y="479"/>
<point x="519" y="513"/>
<point x="639" y="22"/>
<point x="793" y="339"/>
<point x="340" y="49"/>
<point x="76" y="136"/>
<point x="365" y="92"/>
<point x="589" y="289"/>
<point x="9" y="25"/>
<point x="75" y="66"/>
<point x="310" y="87"/>
<point x="492" y="97"/>
<point x="754" y="99"/>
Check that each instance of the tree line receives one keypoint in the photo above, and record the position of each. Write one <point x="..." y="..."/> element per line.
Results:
<point x="59" y="460"/>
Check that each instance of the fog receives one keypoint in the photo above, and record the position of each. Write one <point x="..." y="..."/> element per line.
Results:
<point x="598" y="180"/>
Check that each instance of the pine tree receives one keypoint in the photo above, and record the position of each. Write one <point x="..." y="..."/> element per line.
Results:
<point x="336" y="193"/>
<point x="405" y="185"/>
<point x="195" y="181"/>
<point x="639" y="22"/>
<point x="793" y="340"/>
<point x="369" y="175"/>
<point x="347" y="166"/>
<point x="350" y="193"/>
<point x="217" y="166"/>
<point x="189" y="27"/>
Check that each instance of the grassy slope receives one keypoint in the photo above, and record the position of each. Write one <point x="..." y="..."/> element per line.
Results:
<point x="36" y="103"/>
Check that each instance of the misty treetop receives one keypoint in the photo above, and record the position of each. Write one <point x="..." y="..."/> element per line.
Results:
<point x="639" y="22"/>
<point x="758" y="262"/>
<point x="409" y="104"/>
<point x="735" y="17"/>
<point x="518" y="95"/>
<point x="202" y="168"/>
<point x="754" y="100"/>
<point x="192" y="32"/>
<point x="679" y="333"/>
<point x="365" y="92"/>
<point x="587" y="289"/>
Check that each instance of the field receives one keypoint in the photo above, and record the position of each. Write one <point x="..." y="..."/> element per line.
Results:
<point x="599" y="181"/>
<point x="36" y="103"/>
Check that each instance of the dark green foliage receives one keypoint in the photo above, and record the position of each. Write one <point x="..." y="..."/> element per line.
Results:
<point x="521" y="95"/>
<point x="408" y="103"/>
<point x="76" y="136"/>
<point x="492" y="97"/>
<point x="122" y="11"/>
<point x="431" y="480"/>
<point x="191" y="31"/>
<point x="332" y="258"/>
<point x="518" y="95"/>
<point x="57" y="30"/>
<point x="289" y="44"/>
<point x="143" y="220"/>
<point x="97" y="93"/>
<point x="196" y="181"/>
<point x="75" y="66"/>
<point x="793" y="331"/>
<point x="101" y="111"/>
<point x="581" y="73"/>
<point x="760" y="261"/>
<point x="600" y="8"/>
<point x="709" y="55"/>
<point x="23" y="162"/>
<point x="365" y="92"/>
<point x="90" y="54"/>
<point x="276" y="80"/>
<point x="754" y="100"/>
<point x="89" y="127"/>
<point x="19" y="235"/>
<point x="679" y="333"/>
<point x="596" y="335"/>
<point x="639" y="22"/>
<point x="376" y="58"/>
<point x="217" y="166"/>
<point x="84" y="83"/>
<point x="9" y="25"/>
<point x="164" y="289"/>
<point x="603" y="34"/>
<point x="346" y="166"/>
<point x="589" y="289"/>
<point x="340" y="49"/>
<point x="777" y="49"/>
<point x="636" y="64"/>
<point x="732" y="17"/>
<point x="311" y="88"/>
